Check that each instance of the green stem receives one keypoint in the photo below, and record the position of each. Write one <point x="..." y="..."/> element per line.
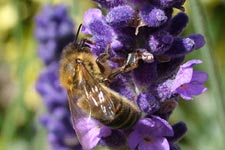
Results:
<point x="200" y="25"/>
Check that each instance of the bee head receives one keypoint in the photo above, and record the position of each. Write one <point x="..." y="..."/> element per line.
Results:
<point x="76" y="45"/>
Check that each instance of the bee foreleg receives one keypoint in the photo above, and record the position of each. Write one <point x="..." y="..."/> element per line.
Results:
<point x="132" y="62"/>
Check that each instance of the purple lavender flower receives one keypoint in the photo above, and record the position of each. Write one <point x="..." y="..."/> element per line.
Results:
<point x="128" y="26"/>
<point x="189" y="82"/>
<point x="149" y="134"/>
<point x="54" y="29"/>
<point x="90" y="132"/>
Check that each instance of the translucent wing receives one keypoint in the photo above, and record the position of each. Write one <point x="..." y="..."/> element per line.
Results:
<point x="83" y="125"/>
<point x="97" y="102"/>
<point x="91" y="100"/>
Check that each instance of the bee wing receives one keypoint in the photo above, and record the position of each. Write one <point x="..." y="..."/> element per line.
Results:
<point x="81" y="124"/>
<point x="96" y="102"/>
<point x="92" y="99"/>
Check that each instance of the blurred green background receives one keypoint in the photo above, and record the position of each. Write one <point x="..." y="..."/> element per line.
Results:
<point x="21" y="106"/>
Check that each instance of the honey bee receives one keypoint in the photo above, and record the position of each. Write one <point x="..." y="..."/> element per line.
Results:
<point x="86" y="77"/>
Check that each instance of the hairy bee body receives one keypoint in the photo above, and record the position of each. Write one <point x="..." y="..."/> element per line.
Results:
<point x="88" y="95"/>
<point x="125" y="112"/>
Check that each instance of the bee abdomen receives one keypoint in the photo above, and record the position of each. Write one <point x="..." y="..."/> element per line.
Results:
<point x="126" y="116"/>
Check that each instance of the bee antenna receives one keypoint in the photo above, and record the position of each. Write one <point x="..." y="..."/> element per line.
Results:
<point x="77" y="34"/>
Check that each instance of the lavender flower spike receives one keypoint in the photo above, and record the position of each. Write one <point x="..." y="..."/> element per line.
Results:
<point x="128" y="28"/>
<point x="54" y="30"/>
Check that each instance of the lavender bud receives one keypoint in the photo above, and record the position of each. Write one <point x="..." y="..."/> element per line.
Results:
<point x="120" y="16"/>
<point x="152" y="16"/>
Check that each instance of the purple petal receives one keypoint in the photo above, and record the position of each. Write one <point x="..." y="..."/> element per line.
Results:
<point x="183" y="93"/>
<point x="199" y="76"/>
<point x="185" y="73"/>
<point x="191" y="63"/>
<point x="155" y="144"/>
<point x="144" y="146"/>
<point x="89" y="132"/>
<point x="134" y="139"/>
<point x="91" y="138"/>
<point x="154" y="126"/>
<point x="196" y="89"/>
<point x="183" y="76"/>
<point x="162" y="127"/>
